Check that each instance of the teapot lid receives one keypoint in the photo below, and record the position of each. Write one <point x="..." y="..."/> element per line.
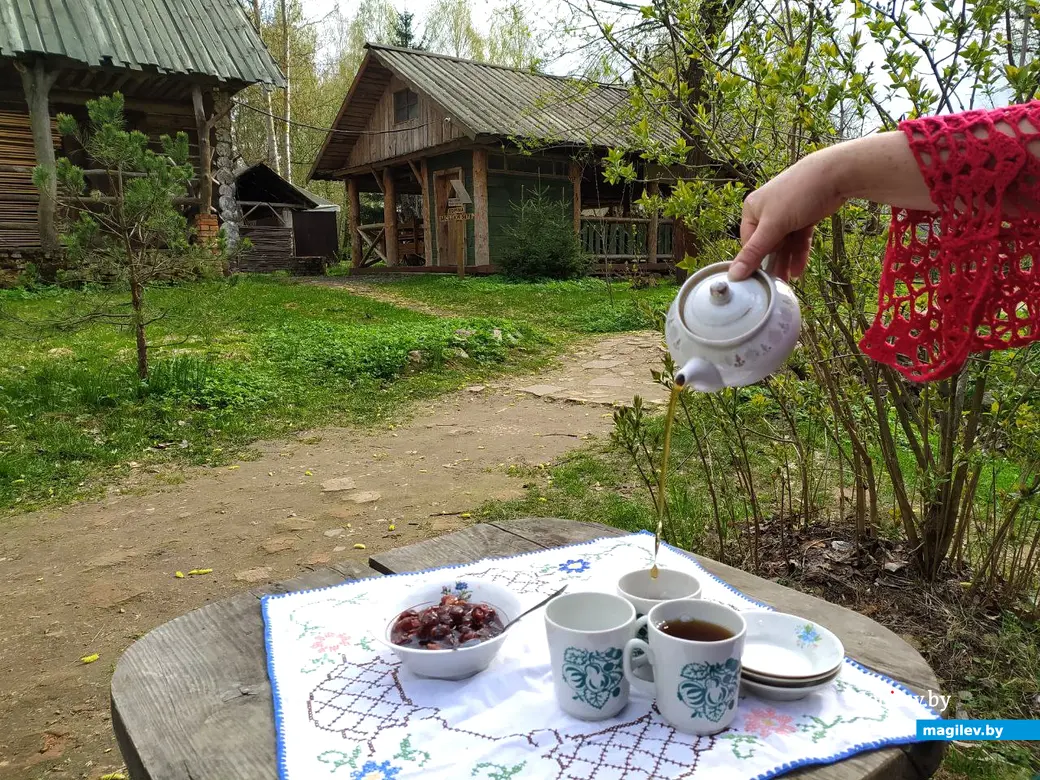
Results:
<point x="718" y="311"/>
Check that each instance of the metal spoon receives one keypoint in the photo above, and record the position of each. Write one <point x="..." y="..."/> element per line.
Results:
<point x="541" y="603"/>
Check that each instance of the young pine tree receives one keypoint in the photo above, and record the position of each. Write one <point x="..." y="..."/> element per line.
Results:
<point x="126" y="227"/>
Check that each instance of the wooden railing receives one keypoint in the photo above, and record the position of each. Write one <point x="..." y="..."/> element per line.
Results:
<point x="626" y="239"/>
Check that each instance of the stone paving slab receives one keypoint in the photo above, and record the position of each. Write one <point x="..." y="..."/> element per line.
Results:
<point x="607" y="373"/>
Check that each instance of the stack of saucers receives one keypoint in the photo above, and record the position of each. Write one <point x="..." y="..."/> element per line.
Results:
<point x="787" y="657"/>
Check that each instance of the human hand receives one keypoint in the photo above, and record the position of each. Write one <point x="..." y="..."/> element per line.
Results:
<point x="779" y="217"/>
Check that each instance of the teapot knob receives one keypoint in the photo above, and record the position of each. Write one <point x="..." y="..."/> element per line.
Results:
<point x="720" y="292"/>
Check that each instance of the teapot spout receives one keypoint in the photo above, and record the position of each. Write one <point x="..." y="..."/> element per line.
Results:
<point x="701" y="375"/>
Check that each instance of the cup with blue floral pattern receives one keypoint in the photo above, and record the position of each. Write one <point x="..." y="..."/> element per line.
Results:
<point x="587" y="632"/>
<point x="645" y="592"/>
<point x="696" y="683"/>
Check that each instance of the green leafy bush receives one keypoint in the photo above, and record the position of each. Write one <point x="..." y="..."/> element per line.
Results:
<point x="541" y="242"/>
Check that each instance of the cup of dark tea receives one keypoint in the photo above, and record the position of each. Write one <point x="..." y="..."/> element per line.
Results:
<point x="644" y="592"/>
<point x="694" y="648"/>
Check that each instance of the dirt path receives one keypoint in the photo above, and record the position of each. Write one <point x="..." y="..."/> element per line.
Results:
<point x="380" y="289"/>
<point x="94" y="576"/>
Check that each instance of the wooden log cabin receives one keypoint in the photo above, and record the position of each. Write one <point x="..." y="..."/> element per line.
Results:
<point x="177" y="63"/>
<point x="467" y="141"/>
<point x="289" y="228"/>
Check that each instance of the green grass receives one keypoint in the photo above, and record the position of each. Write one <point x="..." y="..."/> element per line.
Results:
<point x="563" y="308"/>
<point x="246" y="359"/>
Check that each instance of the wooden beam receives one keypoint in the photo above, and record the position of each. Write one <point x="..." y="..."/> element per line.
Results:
<point x="575" y="177"/>
<point x="390" y="215"/>
<point x="427" y="212"/>
<point x="373" y="246"/>
<point x="37" y="82"/>
<point x="430" y="151"/>
<point x="273" y="204"/>
<point x="652" y="189"/>
<point x="353" y="218"/>
<point x="481" y="236"/>
<point x="379" y="181"/>
<point x="204" y="126"/>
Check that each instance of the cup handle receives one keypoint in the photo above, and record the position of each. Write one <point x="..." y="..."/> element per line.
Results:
<point x="638" y="626"/>
<point x="626" y="660"/>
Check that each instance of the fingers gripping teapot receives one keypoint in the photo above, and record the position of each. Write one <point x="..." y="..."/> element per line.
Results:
<point x="730" y="334"/>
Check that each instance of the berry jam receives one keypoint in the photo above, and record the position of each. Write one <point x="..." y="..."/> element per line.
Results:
<point x="450" y="624"/>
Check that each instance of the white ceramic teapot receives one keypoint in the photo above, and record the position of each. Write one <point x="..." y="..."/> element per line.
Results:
<point x="730" y="334"/>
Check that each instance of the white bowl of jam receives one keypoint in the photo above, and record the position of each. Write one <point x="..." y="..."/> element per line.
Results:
<point x="451" y="630"/>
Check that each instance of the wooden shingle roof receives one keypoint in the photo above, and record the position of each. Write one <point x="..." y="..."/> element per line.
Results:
<point x="211" y="38"/>
<point x="482" y="100"/>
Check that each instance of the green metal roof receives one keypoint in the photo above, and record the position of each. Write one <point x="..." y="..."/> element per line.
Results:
<point x="188" y="37"/>
<point x="497" y="100"/>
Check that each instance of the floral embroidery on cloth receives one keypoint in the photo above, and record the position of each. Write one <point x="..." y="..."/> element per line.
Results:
<point x="347" y="710"/>
<point x="963" y="278"/>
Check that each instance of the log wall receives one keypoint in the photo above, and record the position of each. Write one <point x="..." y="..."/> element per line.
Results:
<point x="18" y="195"/>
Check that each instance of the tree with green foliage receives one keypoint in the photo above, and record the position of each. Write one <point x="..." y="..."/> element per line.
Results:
<point x="451" y="30"/>
<point x="511" y="41"/>
<point x="745" y="88"/>
<point x="404" y="34"/>
<point x="540" y="242"/>
<point x="123" y="224"/>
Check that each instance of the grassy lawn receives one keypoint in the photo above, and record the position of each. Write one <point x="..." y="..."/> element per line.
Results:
<point x="251" y="358"/>
<point x="561" y="308"/>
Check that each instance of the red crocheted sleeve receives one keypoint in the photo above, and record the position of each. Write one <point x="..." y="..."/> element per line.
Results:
<point x="963" y="278"/>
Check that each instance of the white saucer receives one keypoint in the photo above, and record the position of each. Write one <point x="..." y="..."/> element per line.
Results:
<point x="789" y="648"/>
<point x="782" y="694"/>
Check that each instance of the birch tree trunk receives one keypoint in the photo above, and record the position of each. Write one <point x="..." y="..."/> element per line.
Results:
<point x="287" y="154"/>
<point x="272" y="143"/>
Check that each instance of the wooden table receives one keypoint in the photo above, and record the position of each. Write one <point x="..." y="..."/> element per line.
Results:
<point x="191" y="699"/>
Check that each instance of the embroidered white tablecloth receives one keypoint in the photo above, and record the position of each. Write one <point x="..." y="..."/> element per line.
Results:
<point x="345" y="708"/>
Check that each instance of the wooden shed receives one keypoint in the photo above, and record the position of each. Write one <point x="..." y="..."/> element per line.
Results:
<point x="177" y="63"/>
<point x="290" y="228"/>
<point x="455" y="136"/>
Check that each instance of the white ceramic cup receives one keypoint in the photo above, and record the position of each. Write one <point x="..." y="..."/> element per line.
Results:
<point x="696" y="684"/>
<point x="587" y="634"/>
<point x="645" y="592"/>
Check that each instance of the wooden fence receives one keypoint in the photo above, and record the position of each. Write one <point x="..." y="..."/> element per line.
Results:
<point x="626" y="239"/>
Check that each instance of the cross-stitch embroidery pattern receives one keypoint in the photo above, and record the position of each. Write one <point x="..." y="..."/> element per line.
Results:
<point x="345" y="708"/>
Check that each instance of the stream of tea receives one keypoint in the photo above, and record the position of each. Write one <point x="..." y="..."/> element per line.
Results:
<point x="662" y="479"/>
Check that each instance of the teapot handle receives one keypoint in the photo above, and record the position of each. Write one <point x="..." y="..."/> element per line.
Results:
<point x="767" y="263"/>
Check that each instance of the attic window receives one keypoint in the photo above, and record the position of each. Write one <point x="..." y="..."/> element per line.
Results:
<point x="406" y="106"/>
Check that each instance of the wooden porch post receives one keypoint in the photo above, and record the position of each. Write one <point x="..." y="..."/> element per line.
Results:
<point x="353" y="220"/>
<point x="481" y="236"/>
<point x="427" y="213"/>
<point x="37" y="83"/>
<point x="679" y="248"/>
<point x="651" y="229"/>
<point x="575" y="177"/>
<point x="390" y="216"/>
